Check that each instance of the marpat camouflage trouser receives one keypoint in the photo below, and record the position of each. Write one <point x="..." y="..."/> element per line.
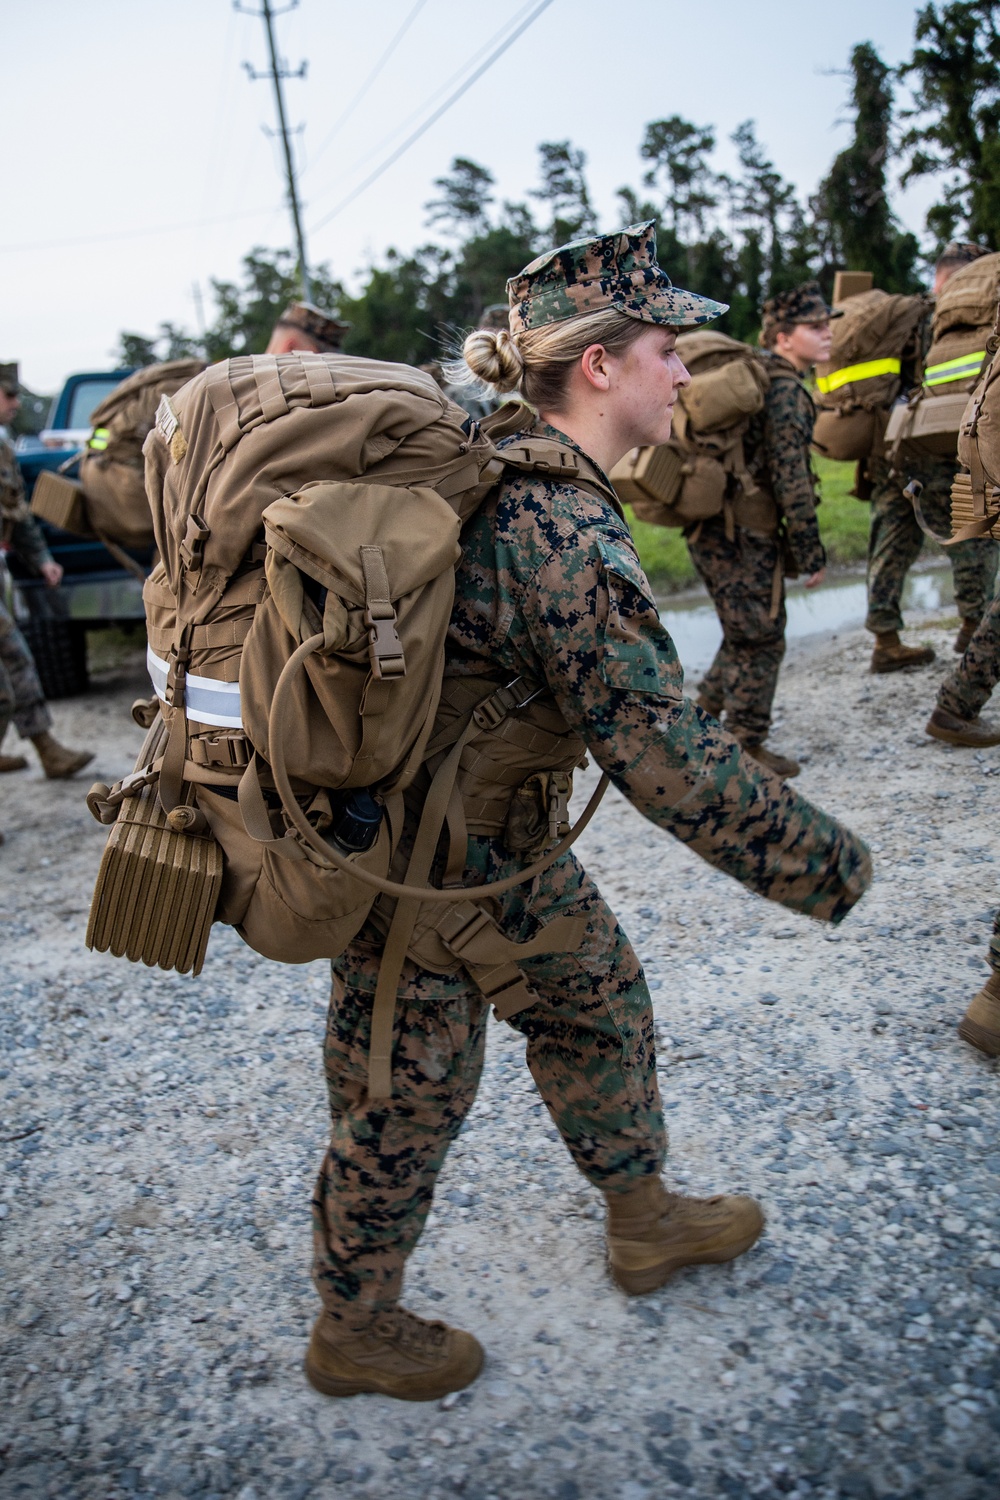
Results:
<point x="590" y="1051"/>
<point x="739" y="575"/>
<point x="993" y="953"/>
<point x="894" y="544"/>
<point x="967" y="689"/>
<point x="21" y="696"/>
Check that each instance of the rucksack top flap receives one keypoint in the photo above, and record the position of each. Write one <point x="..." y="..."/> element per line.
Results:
<point x="324" y="527"/>
<point x="152" y="381"/>
<point x="969" y="297"/>
<point x="709" y="348"/>
<point x="874" y="323"/>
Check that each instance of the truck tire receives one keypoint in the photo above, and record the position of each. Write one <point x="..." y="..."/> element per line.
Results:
<point x="59" y="648"/>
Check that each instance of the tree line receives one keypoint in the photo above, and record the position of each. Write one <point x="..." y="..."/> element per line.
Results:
<point x="738" y="237"/>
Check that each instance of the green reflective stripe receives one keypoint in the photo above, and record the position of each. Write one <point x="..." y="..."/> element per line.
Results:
<point x="99" y="439"/>
<point x="850" y="373"/>
<point x="955" y="369"/>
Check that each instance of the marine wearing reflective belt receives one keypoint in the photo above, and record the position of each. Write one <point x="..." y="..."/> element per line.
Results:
<point x="551" y="596"/>
<point x="21" y="696"/>
<point x="895" y="540"/>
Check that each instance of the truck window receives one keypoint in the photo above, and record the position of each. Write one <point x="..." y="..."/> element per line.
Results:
<point x="85" y="399"/>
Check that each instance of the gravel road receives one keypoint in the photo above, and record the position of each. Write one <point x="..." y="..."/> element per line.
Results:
<point x="160" y="1134"/>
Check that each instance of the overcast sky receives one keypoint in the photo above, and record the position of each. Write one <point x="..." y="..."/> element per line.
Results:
<point x="137" y="167"/>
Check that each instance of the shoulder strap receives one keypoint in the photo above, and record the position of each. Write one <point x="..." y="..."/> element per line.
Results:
<point x="541" y="455"/>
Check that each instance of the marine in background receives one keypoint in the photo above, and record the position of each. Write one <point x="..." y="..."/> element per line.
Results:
<point x="745" y="573"/>
<point x="896" y="539"/>
<point x="303" y="326"/>
<point x="21" y="696"/>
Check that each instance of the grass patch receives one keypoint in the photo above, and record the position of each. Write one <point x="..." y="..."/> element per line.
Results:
<point x="843" y="525"/>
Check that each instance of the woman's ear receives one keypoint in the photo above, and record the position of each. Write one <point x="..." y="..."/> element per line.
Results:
<point x="595" y="365"/>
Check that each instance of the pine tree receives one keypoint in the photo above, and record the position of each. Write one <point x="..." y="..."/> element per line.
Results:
<point x="955" y="74"/>
<point x="856" y="226"/>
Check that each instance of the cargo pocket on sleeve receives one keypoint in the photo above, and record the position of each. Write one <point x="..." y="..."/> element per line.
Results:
<point x="637" y="654"/>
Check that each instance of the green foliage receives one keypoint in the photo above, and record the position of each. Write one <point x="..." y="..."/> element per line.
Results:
<point x="955" y="75"/>
<point x="854" y="221"/>
<point x="135" y="350"/>
<point x="248" y="310"/>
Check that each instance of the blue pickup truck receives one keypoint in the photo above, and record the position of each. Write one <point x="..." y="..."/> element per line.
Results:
<point x="96" y="591"/>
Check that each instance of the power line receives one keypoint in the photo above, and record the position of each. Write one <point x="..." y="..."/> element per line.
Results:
<point x="363" y="90"/>
<point x="470" y="62"/>
<point x="432" y="119"/>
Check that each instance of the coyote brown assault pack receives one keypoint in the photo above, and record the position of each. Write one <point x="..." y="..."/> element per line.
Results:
<point x="975" y="493"/>
<point x="307" y="511"/>
<point x="114" y="505"/>
<point x="701" y="472"/>
<point x="862" y="379"/>
<point x="963" y="320"/>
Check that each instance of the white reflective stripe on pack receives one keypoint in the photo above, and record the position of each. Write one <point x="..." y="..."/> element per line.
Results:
<point x="205" y="699"/>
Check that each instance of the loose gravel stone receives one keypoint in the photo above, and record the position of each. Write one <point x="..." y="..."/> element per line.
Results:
<point x="159" y="1137"/>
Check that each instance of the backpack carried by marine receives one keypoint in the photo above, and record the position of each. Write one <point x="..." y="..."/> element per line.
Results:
<point x="857" y="387"/>
<point x="975" y="492"/>
<point x="929" y="423"/>
<point x="702" y="471"/>
<point x="108" y="499"/>
<point x="307" y="511"/>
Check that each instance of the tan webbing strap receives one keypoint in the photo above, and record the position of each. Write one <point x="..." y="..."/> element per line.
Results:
<point x="223" y="399"/>
<point x="458" y="838"/>
<point x="404" y="918"/>
<point x="979" y="526"/>
<point x="491" y="958"/>
<point x="319" y="378"/>
<point x="273" y="402"/>
<point x="171" y="787"/>
<point x="385" y="649"/>
<point x="376" y="701"/>
<point x="122" y="558"/>
<point x="256" y="819"/>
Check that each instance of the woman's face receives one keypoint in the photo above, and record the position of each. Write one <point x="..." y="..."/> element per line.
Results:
<point x="649" y="376"/>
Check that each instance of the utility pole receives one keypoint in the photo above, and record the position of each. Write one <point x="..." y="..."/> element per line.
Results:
<point x="277" y="72"/>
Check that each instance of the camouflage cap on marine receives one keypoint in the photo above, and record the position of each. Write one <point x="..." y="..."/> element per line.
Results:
<point x="609" y="270"/>
<point x="321" y="327"/>
<point x="960" y="253"/>
<point x="9" y="383"/>
<point x="800" y="304"/>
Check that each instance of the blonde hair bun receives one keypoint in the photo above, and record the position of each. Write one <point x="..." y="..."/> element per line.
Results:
<point x="494" y="358"/>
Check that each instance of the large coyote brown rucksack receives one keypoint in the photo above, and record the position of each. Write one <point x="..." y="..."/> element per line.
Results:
<point x="963" y="319"/>
<point x="307" y="511"/>
<point x="862" y="379"/>
<point x="111" y="468"/>
<point x="701" y="472"/>
<point x="975" y="493"/>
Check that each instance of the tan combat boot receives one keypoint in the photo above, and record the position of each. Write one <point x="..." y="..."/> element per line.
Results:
<point x="976" y="732"/>
<point x="653" y="1233"/>
<point x="981" y="1023"/>
<point x="781" y="765"/>
<point x="890" y="655"/>
<point x="395" y="1354"/>
<point x="58" y="761"/>
<point x="12" y="763"/>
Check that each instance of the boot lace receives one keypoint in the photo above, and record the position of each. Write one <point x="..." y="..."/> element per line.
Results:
<point x="410" y="1332"/>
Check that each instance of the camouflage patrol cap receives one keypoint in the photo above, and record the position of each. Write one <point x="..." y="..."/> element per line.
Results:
<point x="960" y="253"/>
<point x="800" y="304"/>
<point x="321" y="327"/>
<point x="610" y="270"/>
<point x="9" y="383"/>
<point x="496" y="317"/>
